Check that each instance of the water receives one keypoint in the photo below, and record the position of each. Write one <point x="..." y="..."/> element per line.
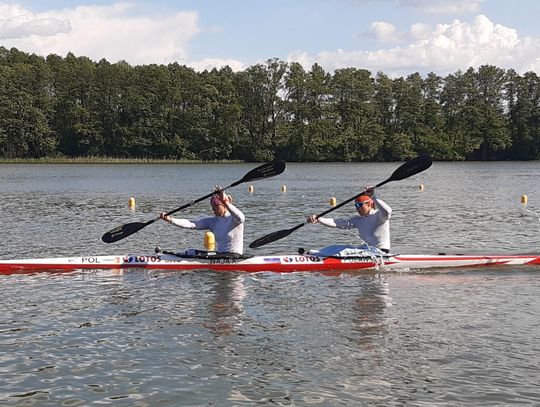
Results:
<point x="154" y="338"/>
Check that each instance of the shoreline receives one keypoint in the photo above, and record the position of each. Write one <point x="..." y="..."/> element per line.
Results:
<point x="109" y="160"/>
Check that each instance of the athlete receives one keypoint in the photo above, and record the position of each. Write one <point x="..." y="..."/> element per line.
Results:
<point x="372" y="220"/>
<point x="227" y="225"/>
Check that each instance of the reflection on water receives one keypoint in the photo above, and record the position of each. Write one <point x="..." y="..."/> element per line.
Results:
<point x="226" y="308"/>
<point x="165" y="338"/>
<point x="371" y="307"/>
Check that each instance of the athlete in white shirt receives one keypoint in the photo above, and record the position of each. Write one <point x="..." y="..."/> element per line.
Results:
<point x="372" y="221"/>
<point x="227" y="225"/>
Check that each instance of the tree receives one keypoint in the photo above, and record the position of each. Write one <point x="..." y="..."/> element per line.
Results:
<point x="309" y="114"/>
<point x="431" y="137"/>
<point x="460" y="113"/>
<point x="223" y="116"/>
<point x="75" y="107"/>
<point x="75" y="120"/>
<point x="261" y="90"/>
<point x="492" y="124"/>
<point x="359" y="134"/>
<point x="522" y="95"/>
<point x="24" y="109"/>
<point x="111" y="85"/>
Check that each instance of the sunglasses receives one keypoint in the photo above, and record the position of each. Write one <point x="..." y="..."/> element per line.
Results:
<point x="360" y="204"/>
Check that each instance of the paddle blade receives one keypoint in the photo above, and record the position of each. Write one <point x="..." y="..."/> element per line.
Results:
<point x="272" y="237"/>
<point x="122" y="231"/>
<point x="267" y="170"/>
<point x="412" y="167"/>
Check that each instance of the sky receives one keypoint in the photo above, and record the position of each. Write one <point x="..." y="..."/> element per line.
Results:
<point x="397" y="37"/>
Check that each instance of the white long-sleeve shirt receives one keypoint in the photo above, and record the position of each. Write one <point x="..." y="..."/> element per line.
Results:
<point x="374" y="228"/>
<point x="228" y="230"/>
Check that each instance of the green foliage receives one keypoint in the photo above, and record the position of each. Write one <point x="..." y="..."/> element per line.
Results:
<point x="72" y="106"/>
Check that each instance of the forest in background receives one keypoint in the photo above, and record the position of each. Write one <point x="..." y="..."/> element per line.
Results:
<point x="74" y="107"/>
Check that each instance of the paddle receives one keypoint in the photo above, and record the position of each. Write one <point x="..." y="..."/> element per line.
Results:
<point x="264" y="171"/>
<point x="411" y="167"/>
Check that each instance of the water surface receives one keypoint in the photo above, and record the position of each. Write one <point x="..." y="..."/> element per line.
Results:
<point x="154" y="338"/>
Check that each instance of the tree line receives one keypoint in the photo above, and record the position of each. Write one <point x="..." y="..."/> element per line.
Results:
<point x="72" y="106"/>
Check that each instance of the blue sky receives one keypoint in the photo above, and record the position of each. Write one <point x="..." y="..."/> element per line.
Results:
<point x="397" y="37"/>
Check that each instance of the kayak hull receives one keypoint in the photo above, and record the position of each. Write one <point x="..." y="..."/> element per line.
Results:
<point x="280" y="264"/>
<point x="271" y="263"/>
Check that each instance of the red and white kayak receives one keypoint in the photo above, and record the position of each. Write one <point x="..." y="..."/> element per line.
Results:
<point x="331" y="259"/>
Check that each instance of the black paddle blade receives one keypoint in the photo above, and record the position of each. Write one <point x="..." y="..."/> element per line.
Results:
<point x="412" y="167"/>
<point x="272" y="237"/>
<point x="267" y="170"/>
<point x="122" y="231"/>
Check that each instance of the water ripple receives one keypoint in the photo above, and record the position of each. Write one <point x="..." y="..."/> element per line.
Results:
<point x="143" y="338"/>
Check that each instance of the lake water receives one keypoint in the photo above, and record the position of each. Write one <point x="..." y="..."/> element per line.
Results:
<point x="154" y="338"/>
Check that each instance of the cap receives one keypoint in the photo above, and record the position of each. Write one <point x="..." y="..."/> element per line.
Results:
<point x="363" y="198"/>
<point x="214" y="201"/>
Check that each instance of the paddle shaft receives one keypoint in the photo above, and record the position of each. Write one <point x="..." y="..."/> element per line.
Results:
<point x="339" y="205"/>
<point x="406" y="170"/>
<point x="280" y="234"/>
<point x="202" y="198"/>
<point x="123" y="231"/>
<point x="264" y="171"/>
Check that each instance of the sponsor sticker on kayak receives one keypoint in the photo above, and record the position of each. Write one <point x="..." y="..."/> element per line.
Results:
<point x="272" y="259"/>
<point x="358" y="260"/>
<point x="301" y="259"/>
<point x="141" y="259"/>
<point x="95" y="260"/>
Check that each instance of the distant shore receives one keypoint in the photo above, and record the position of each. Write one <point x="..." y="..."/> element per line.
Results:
<point x="108" y="160"/>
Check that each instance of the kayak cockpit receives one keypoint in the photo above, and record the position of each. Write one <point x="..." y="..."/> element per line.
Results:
<point x="344" y="251"/>
<point x="204" y="255"/>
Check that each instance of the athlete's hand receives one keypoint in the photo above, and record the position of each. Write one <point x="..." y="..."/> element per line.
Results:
<point x="313" y="219"/>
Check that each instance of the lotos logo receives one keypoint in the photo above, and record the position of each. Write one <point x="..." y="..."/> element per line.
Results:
<point x="142" y="259"/>
<point x="301" y="259"/>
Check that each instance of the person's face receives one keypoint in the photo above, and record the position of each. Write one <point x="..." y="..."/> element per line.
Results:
<point x="219" y="210"/>
<point x="363" y="208"/>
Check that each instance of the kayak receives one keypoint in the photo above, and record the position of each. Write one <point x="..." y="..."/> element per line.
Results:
<point x="330" y="259"/>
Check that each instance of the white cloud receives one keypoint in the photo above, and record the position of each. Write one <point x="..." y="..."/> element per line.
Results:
<point x="444" y="49"/>
<point x="112" y="32"/>
<point x="121" y="32"/>
<point x="16" y="22"/>
<point x="382" y="31"/>
<point x="387" y="32"/>
<point x="419" y="31"/>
